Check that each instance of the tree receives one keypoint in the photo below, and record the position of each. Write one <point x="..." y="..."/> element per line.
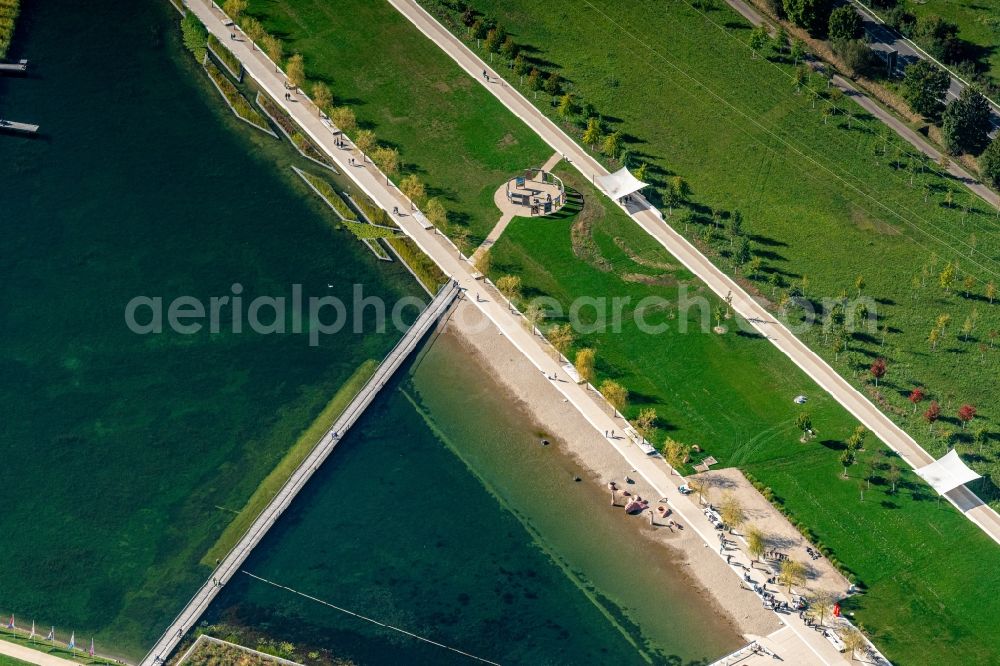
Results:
<point x="413" y="188"/>
<point x="856" y="442"/>
<point x="343" y="118"/>
<point x="365" y="141"/>
<point x="791" y="574"/>
<point x="878" y="369"/>
<point x="820" y="606"/>
<point x="989" y="163"/>
<point x="798" y="51"/>
<point x="615" y="394"/>
<point x="253" y="29"/>
<point x="387" y="160"/>
<point x="859" y="284"/>
<point x="804" y="423"/>
<point x="675" y="453"/>
<point x="612" y="144"/>
<point x="521" y="66"/>
<point x="566" y="106"/>
<point x="509" y="286"/>
<point x="991" y="291"/>
<point x="274" y="49"/>
<point x="234" y="9"/>
<point x="846" y="460"/>
<point x="509" y="49"/>
<point x="966" y="124"/>
<point x="932" y="414"/>
<point x="924" y="86"/>
<point x="756" y="543"/>
<point x="893" y="475"/>
<point x="645" y="423"/>
<point x="483" y="260"/>
<point x="533" y="316"/>
<point x="844" y="24"/>
<point x="494" y="38"/>
<point x="194" y="35"/>
<point x="321" y="96"/>
<point x="731" y="511"/>
<point x="916" y="396"/>
<point x="295" y="69"/>
<point x="965" y="414"/>
<point x="592" y="135"/>
<point x="584" y="364"/>
<point x="759" y="38"/>
<point x="436" y="213"/>
<point x="535" y="81"/>
<point x="562" y="338"/>
<point x="640" y="172"/>
<point x="947" y="276"/>
<point x="854" y="640"/>
<point x="743" y="254"/>
<point x="553" y="84"/>
<point x="813" y="15"/>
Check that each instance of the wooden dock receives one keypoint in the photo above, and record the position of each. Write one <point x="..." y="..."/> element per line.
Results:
<point x="14" y="126"/>
<point x="231" y="564"/>
<point x="19" y="67"/>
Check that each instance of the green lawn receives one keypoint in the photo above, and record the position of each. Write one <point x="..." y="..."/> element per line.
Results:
<point x="978" y="23"/>
<point x="413" y="97"/>
<point x="924" y="564"/>
<point x="825" y="200"/>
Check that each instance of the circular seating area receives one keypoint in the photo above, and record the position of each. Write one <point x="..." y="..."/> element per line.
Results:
<point x="532" y="193"/>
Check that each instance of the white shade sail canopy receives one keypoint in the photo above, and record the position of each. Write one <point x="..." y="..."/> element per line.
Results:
<point x="620" y="183"/>
<point x="947" y="473"/>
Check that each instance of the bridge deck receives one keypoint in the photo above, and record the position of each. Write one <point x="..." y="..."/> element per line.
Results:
<point x="230" y="565"/>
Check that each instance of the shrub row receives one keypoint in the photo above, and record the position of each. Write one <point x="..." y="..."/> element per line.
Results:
<point x="239" y="104"/>
<point x="9" y="10"/>
<point x="222" y="52"/>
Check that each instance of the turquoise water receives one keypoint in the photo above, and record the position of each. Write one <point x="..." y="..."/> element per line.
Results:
<point x="442" y="514"/>
<point x="123" y="456"/>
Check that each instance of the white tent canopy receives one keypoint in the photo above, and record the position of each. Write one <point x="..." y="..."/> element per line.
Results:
<point x="947" y="473"/>
<point x="620" y="183"/>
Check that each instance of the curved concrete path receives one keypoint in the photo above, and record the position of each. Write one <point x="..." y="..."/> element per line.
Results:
<point x="650" y="220"/>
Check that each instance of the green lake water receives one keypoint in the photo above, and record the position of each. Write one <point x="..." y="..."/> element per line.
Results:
<point x="123" y="456"/>
<point x="442" y="513"/>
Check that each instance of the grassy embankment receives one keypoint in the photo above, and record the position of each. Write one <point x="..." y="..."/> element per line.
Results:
<point x="752" y="422"/>
<point x="9" y="9"/>
<point x="825" y="199"/>
<point x="237" y="102"/>
<point x="291" y="460"/>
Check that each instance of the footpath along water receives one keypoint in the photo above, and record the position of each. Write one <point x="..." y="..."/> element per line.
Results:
<point x="442" y="513"/>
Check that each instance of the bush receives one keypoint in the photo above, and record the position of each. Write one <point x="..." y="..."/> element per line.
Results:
<point x="902" y="21"/>
<point x="966" y="123"/>
<point x="859" y="58"/>
<point x="989" y="163"/>
<point x="194" y="35"/>
<point x="939" y="38"/>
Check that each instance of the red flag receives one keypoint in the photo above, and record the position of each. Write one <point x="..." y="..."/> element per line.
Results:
<point x="836" y="610"/>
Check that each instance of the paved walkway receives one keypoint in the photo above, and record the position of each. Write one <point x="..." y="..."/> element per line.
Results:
<point x="755" y="313"/>
<point x="33" y="656"/>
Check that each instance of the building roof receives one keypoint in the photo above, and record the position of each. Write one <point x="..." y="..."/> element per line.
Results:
<point x="620" y="183"/>
<point x="947" y="473"/>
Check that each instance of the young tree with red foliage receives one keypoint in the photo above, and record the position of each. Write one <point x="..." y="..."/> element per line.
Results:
<point x="916" y="395"/>
<point x="878" y="369"/>
<point x="966" y="413"/>
<point x="932" y="414"/>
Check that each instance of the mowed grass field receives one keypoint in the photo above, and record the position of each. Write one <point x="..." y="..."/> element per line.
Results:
<point x="824" y="200"/>
<point x="414" y="99"/>
<point x="978" y="23"/>
<point x="924" y="564"/>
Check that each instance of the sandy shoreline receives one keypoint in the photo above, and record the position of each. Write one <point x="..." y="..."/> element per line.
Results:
<point x="708" y="577"/>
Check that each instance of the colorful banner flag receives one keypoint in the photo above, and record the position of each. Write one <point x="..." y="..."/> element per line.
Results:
<point x="72" y="641"/>
<point x="10" y="624"/>
<point x="32" y="636"/>
<point x="91" y="647"/>
<point x="52" y="634"/>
